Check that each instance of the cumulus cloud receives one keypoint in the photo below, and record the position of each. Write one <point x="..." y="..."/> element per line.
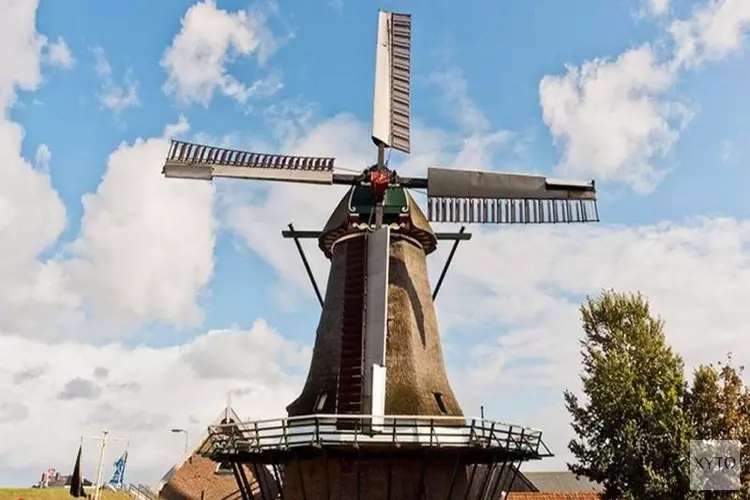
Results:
<point x="656" y="7"/>
<point x="136" y="401"/>
<point x="32" y="216"/>
<point x="209" y="40"/>
<point x="614" y="119"/>
<point x="113" y="96"/>
<point x="145" y="247"/>
<point x="479" y="140"/>
<point x="105" y="273"/>
<point x="716" y="29"/>
<point x="79" y="388"/>
<point x="20" y="57"/>
<point x="29" y="374"/>
<point x="610" y="119"/>
<point x="43" y="158"/>
<point x="58" y="54"/>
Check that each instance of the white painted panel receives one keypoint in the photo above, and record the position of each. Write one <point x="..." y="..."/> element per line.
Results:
<point x="381" y="113"/>
<point x="392" y="97"/>
<point x="378" y="397"/>
<point x="376" y="309"/>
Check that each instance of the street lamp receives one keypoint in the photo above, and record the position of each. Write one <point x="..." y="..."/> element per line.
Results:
<point x="182" y="431"/>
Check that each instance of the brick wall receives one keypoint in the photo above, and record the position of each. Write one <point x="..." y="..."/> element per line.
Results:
<point x="197" y="480"/>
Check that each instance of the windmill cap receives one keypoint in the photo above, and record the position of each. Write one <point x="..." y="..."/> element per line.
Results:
<point x="358" y="201"/>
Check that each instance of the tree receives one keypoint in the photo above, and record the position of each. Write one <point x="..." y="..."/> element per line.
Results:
<point x="633" y="436"/>
<point x="718" y="405"/>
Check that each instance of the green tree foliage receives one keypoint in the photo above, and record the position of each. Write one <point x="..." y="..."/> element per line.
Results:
<point x="718" y="405"/>
<point x="632" y="433"/>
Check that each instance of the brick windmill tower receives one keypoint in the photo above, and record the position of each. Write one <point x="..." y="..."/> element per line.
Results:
<point x="377" y="418"/>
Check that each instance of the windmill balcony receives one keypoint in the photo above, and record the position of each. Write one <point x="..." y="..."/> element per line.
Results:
<point x="273" y="440"/>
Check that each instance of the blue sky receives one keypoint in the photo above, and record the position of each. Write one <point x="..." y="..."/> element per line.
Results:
<point x="647" y="97"/>
<point x="502" y="50"/>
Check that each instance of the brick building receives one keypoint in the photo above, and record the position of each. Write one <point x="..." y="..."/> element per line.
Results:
<point x="195" y="477"/>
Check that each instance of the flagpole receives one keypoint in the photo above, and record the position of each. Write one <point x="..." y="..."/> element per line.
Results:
<point x="100" y="467"/>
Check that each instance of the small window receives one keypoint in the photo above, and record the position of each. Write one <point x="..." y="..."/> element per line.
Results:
<point x="321" y="401"/>
<point x="440" y="402"/>
<point x="224" y="468"/>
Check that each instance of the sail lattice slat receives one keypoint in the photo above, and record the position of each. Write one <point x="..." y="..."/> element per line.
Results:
<point x="511" y="211"/>
<point x="192" y="154"/>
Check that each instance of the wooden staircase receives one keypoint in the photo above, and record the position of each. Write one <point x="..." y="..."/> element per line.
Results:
<point x="349" y="396"/>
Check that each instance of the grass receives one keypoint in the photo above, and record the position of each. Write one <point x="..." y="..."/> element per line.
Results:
<point x="53" y="494"/>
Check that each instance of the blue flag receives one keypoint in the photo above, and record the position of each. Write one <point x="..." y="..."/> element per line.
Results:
<point x="119" y="473"/>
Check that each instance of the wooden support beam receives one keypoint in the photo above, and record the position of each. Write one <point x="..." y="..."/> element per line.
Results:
<point x="462" y="236"/>
<point x="448" y="262"/>
<point x="306" y="264"/>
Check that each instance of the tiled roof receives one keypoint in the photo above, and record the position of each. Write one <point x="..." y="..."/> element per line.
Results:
<point x="554" y="496"/>
<point x="561" y="481"/>
<point x="195" y="477"/>
<point x="226" y="414"/>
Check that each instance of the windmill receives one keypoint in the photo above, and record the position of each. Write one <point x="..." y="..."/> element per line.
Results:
<point x="377" y="417"/>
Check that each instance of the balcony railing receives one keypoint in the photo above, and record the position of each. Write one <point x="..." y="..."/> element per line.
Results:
<point x="375" y="432"/>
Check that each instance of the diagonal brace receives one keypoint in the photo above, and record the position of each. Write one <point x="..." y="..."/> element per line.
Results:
<point x="448" y="263"/>
<point x="307" y="265"/>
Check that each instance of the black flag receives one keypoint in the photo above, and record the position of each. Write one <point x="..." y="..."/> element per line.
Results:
<point x="76" y="480"/>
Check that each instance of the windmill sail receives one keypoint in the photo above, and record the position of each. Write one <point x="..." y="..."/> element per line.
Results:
<point x="467" y="196"/>
<point x="198" y="161"/>
<point x="391" y="104"/>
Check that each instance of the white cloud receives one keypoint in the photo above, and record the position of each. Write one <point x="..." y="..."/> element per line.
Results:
<point x="113" y="96"/>
<point x="656" y="7"/>
<point x="610" y="118"/>
<point x="43" y="158"/>
<point x="20" y="51"/>
<point x="614" y="118"/>
<point x="479" y="141"/>
<point x="41" y="296"/>
<point x="58" y="54"/>
<point x="134" y="393"/>
<point x="211" y="38"/>
<point x="134" y="258"/>
<point x="32" y="216"/>
<point x="145" y="247"/>
<point x="695" y="273"/>
<point x="716" y="29"/>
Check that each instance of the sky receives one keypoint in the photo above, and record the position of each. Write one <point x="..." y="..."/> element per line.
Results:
<point x="139" y="304"/>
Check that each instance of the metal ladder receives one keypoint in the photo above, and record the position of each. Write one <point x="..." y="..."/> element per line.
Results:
<point x="349" y="397"/>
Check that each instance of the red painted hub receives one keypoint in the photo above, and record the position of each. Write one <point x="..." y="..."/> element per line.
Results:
<point x="379" y="181"/>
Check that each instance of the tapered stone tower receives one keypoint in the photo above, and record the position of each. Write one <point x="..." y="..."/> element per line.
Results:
<point x="416" y="382"/>
<point x="377" y="418"/>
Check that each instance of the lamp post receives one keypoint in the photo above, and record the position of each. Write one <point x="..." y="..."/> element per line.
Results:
<point x="182" y="431"/>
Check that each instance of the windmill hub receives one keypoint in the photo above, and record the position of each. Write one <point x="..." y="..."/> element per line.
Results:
<point x="377" y="418"/>
<point x="380" y="180"/>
